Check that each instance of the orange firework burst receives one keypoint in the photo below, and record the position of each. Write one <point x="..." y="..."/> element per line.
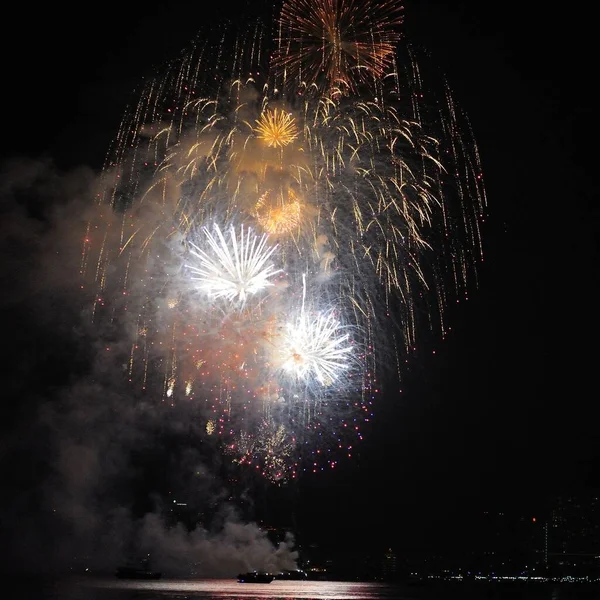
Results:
<point x="278" y="215"/>
<point x="277" y="128"/>
<point x="343" y="41"/>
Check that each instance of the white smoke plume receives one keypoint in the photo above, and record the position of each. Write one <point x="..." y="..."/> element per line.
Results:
<point x="89" y="469"/>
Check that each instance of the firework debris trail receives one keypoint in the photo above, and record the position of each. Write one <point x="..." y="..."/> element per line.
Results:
<point x="277" y="220"/>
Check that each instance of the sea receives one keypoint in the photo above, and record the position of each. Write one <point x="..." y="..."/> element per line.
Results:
<point x="107" y="588"/>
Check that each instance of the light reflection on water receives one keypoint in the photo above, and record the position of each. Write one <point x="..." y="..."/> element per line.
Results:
<point x="231" y="589"/>
<point x="219" y="589"/>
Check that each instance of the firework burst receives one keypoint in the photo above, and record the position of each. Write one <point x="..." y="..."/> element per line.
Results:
<point x="374" y="197"/>
<point x="234" y="269"/>
<point x="276" y="128"/>
<point x="279" y="215"/>
<point x="314" y="346"/>
<point x="337" y="43"/>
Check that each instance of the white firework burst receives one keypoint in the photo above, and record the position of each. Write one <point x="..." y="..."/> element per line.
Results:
<point x="315" y="346"/>
<point x="236" y="268"/>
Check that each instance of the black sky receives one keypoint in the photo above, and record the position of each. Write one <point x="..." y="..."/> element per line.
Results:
<point x="504" y="413"/>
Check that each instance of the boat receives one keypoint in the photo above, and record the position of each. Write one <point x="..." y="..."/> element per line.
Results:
<point x="255" y="577"/>
<point x="137" y="573"/>
<point x="295" y="575"/>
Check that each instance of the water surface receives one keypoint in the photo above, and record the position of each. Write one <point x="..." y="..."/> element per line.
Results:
<point x="94" y="588"/>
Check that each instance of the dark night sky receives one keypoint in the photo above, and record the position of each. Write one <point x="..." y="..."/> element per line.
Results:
<point x="504" y="413"/>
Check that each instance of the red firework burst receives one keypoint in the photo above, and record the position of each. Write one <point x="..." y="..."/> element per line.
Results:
<point x="337" y="43"/>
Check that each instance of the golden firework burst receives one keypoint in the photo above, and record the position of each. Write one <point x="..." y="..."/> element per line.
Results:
<point x="277" y="215"/>
<point x="277" y="128"/>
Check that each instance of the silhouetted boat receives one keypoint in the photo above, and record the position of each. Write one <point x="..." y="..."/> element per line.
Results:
<point x="136" y="573"/>
<point x="295" y="575"/>
<point x="255" y="577"/>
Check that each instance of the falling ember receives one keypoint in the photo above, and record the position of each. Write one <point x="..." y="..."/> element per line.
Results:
<point x="170" y="387"/>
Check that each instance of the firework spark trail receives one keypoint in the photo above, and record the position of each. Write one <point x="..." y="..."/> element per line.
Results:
<point x="372" y="199"/>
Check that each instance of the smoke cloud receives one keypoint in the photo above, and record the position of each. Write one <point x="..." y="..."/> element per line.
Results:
<point x="95" y="474"/>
